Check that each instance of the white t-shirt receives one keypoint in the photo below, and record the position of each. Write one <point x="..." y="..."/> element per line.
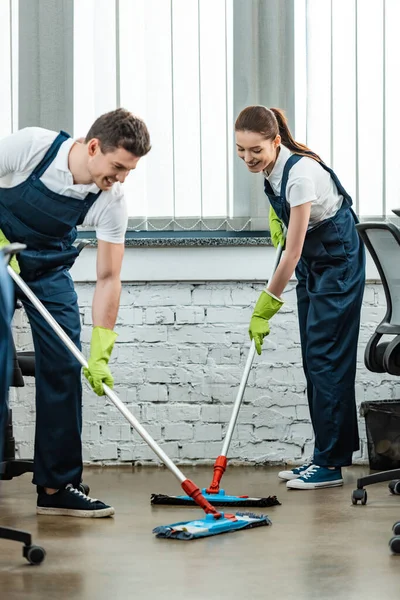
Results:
<point x="22" y="151"/>
<point x="307" y="182"/>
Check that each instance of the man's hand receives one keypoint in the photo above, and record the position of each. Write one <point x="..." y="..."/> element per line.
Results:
<point x="98" y="371"/>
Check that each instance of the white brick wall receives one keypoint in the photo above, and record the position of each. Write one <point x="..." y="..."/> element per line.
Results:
<point x="177" y="363"/>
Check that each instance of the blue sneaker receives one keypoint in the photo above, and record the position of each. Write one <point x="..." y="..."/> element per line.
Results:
<point x="317" y="477"/>
<point x="294" y="473"/>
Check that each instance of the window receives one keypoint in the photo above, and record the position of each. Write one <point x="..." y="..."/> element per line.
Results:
<point x="8" y="66"/>
<point x="347" y="94"/>
<point x="170" y="62"/>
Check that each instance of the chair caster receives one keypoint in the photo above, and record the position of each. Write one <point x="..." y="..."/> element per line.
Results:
<point x="359" y="496"/>
<point x="34" y="554"/>
<point x="394" y="487"/>
<point x="396" y="528"/>
<point x="394" y="544"/>
<point x="84" y="488"/>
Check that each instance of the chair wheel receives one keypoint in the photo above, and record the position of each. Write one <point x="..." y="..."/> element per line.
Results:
<point x="394" y="487"/>
<point x="84" y="488"/>
<point x="396" y="528"/>
<point x="34" y="554"/>
<point x="394" y="545"/>
<point x="359" y="496"/>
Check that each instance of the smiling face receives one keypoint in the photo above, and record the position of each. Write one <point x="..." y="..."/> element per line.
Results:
<point x="107" y="168"/>
<point x="257" y="152"/>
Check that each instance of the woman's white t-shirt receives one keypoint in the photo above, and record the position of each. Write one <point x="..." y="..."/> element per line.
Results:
<point x="307" y="182"/>
<point x="22" y="151"/>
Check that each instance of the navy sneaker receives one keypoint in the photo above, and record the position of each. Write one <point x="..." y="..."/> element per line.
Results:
<point x="294" y="473"/>
<point x="71" y="502"/>
<point x="317" y="477"/>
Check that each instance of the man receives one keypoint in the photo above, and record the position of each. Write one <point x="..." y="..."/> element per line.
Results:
<point x="49" y="184"/>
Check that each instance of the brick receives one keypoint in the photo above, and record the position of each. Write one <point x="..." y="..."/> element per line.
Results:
<point x="190" y="315"/>
<point x="225" y="355"/>
<point x="231" y="314"/>
<point x="193" y="354"/>
<point x="143" y="333"/>
<point x="183" y="412"/>
<point x="164" y="295"/>
<point x="152" y="393"/>
<point x="159" y="316"/>
<point x="181" y="431"/>
<point x="208" y="433"/>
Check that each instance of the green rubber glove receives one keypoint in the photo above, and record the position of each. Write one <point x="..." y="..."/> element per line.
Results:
<point x="13" y="261"/>
<point x="98" y="371"/>
<point x="276" y="229"/>
<point x="267" y="306"/>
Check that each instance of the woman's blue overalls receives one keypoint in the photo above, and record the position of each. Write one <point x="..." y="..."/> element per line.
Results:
<point x="331" y="280"/>
<point x="46" y="222"/>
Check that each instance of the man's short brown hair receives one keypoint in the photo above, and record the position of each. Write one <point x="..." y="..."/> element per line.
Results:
<point x="121" y="129"/>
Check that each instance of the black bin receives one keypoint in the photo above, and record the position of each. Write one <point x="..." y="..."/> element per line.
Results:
<point x="382" y="420"/>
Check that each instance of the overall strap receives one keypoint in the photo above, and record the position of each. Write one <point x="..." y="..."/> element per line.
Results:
<point x="50" y="155"/>
<point x="268" y="188"/>
<point x="286" y="170"/>
<point x="339" y="186"/>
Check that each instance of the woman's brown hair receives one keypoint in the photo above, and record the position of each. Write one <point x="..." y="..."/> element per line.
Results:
<point x="270" y="122"/>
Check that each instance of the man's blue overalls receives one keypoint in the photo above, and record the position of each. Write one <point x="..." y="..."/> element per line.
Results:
<point x="46" y="222"/>
<point x="331" y="280"/>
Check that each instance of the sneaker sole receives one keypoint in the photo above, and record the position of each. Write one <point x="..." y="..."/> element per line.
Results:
<point x="68" y="512"/>
<point x="314" y="486"/>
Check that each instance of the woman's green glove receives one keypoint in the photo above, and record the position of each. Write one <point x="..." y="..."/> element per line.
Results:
<point x="98" y="371"/>
<point x="13" y="261"/>
<point x="276" y="229"/>
<point x="267" y="306"/>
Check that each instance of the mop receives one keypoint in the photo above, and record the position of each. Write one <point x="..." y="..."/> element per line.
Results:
<point x="215" y="495"/>
<point x="214" y="522"/>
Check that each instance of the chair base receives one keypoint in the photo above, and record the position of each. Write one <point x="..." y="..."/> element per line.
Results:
<point x="360" y="494"/>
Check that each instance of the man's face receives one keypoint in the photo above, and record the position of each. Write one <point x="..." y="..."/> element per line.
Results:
<point x="110" y="167"/>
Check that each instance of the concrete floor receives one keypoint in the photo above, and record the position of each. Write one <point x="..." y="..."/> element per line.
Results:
<point x="319" y="547"/>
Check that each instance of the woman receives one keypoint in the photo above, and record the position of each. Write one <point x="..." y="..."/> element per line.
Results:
<point x="323" y="246"/>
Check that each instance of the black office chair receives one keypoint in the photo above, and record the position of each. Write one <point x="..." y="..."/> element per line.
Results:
<point x="23" y="366"/>
<point x="34" y="554"/>
<point x="383" y="243"/>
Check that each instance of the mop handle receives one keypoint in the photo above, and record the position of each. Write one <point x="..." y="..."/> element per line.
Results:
<point x="246" y="374"/>
<point x="109" y="392"/>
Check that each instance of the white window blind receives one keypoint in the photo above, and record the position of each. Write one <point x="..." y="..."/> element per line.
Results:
<point x="347" y="94"/>
<point x="170" y="62"/>
<point x="8" y="66"/>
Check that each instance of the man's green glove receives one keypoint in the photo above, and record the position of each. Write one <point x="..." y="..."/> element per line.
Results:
<point x="98" y="371"/>
<point x="13" y="261"/>
<point x="267" y="305"/>
<point x="276" y="229"/>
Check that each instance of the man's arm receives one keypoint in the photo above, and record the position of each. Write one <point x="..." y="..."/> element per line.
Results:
<point x="108" y="287"/>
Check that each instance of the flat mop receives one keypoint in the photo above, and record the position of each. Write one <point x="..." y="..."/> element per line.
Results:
<point x="215" y="495"/>
<point x="214" y="522"/>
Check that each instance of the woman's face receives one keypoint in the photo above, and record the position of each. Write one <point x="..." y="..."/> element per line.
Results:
<point x="257" y="152"/>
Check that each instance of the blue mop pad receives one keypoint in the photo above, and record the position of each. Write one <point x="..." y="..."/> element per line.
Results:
<point x="220" y="499"/>
<point x="191" y="530"/>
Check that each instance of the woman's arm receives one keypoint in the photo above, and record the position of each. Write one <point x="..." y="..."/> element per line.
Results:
<point x="298" y="224"/>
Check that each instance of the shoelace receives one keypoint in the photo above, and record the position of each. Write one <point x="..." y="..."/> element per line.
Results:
<point x="71" y="488"/>
<point x="311" y="471"/>
<point x="305" y="466"/>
